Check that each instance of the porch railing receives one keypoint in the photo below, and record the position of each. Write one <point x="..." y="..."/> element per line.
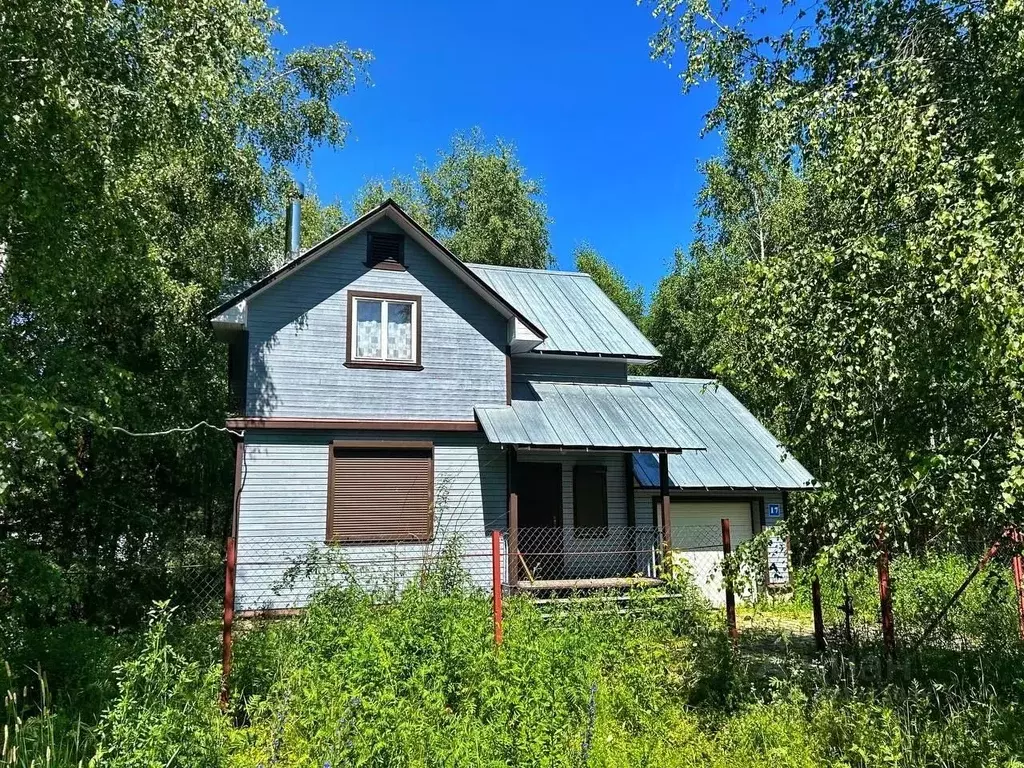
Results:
<point x="546" y="554"/>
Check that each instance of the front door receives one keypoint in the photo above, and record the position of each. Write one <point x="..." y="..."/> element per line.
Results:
<point x="540" y="518"/>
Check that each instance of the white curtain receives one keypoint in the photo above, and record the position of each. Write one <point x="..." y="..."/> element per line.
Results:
<point x="400" y="332"/>
<point x="368" y="329"/>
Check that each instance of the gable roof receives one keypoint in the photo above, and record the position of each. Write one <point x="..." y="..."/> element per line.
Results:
<point x="577" y="317"/>
<point x="739" y="452"/>
<point x="390" y="209"/>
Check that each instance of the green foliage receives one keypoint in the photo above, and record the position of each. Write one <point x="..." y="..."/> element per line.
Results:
<point x="629" y="300"/>
<point x="477" y="200"/>
<point x="359" y="682"/>
<point x="146" y="149"/>
<point x="35" y="735"/>
<point x="413" y="678"/>
<point x="484" y="207"/>
<point x="318" y="221"/>
<point x="403" y="190"/>
<point x="166" y="711"/>
<point x="871" y="191"/>
<point x="684" y="322"/>
<point x="982" y="621"/>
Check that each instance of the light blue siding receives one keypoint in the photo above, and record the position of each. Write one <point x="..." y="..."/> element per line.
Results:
<point x="297" y="333"/>
<point x="283" y="513"/>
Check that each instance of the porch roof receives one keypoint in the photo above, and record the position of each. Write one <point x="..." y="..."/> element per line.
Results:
<point x="741" y="454"/>
<point x="627" y="416"/>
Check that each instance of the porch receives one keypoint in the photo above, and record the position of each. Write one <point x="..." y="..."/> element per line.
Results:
<point x="573" y="523"/>
<point x="607" y="477"/>
<point x="572" y="520"/>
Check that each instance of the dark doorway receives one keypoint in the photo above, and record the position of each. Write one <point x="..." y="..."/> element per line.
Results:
<point x="540" y="518"/>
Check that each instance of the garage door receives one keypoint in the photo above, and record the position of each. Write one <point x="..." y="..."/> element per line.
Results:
<point x="697" y="539"/>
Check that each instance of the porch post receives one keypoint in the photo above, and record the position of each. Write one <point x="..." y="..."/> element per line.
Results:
<point x="513" y="521"/>
<point x="631" y="540"/>
<point x="666" y="504"/>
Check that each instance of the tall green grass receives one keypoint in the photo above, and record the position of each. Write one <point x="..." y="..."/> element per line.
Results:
<point x="415" y="680"/>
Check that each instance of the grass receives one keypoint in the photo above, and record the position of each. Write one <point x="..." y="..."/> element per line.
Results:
<point x="417" y="681"/>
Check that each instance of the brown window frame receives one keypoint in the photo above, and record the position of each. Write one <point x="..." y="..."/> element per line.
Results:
<point x="589" y="531"/>
<point x="330" y="538"/>
<point x="396" y="265"/>
<point x="416" y="364"/>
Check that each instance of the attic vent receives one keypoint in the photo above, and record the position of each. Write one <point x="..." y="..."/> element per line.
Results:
<point x="385" y="251"/>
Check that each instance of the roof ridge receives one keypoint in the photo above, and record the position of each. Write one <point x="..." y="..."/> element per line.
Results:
<point x="534" y="270"/>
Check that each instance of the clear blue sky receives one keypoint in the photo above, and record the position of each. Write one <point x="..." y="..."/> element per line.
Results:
<point x="604" y="128"/>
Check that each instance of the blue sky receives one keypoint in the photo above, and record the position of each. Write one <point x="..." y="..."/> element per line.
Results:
<point x="605" y="129"/>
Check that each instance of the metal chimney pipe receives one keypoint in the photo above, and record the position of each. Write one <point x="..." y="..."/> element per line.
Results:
<point x="292" y="220"/>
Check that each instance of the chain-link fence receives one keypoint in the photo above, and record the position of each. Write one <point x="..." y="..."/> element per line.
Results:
<point x="591" y="554"/>
<point x="948" y="597"/>
<point x="196" y="589"/>
<point x="275" y="573"/>
<point x="953" y="597"/>
<point x="280" y="573"/>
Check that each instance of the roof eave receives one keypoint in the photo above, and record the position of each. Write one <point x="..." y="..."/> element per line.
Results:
<point x="595" y="448"/>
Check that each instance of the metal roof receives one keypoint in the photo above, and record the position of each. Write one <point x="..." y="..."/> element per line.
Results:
<point x="576" y="416"/>
<point x="573" y="311"/>
<point x="741" y="453"/>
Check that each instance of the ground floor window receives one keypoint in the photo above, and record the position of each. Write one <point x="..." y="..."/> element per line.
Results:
<point x="380" y="492"/>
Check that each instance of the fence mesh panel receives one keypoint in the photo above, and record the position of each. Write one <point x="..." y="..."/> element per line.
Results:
<point x="279" y="572"/>
<point x="934" y="603"/>
<point x="952" y="597"/>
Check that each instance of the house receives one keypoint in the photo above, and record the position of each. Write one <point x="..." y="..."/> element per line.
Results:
<point x="393" y="399"/>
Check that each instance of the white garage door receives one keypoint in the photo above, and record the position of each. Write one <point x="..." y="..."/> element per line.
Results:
<point x="697" y="539"/>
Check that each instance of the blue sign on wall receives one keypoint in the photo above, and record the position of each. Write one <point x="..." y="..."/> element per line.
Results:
<point x="774" y="510"/>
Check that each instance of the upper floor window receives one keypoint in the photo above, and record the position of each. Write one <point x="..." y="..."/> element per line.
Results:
<point x="384" y="330"/>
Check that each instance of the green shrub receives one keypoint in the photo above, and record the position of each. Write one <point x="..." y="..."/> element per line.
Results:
<point x="35" y="735"/>
<point x="412" y="677"/>
<point x="166" y="712"/>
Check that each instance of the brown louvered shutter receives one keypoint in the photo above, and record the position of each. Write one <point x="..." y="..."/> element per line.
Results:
<point x="380" y="494"/>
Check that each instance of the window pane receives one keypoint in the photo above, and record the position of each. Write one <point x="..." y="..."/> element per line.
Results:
<point x="368" y="329"/>
<point x="400" y="331"/>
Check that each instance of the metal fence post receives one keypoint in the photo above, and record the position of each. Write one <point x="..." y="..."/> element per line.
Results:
<point x="819" y="619"/>
<point x="496" y="579"/>
<point x="885" y="600"/>
<point x="229" y="619"/>
<point x="1018" y="580"/>
<point x="730" y="596"/>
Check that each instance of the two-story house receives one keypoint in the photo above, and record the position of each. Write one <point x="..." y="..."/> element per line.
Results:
<point x="393" y="398"/>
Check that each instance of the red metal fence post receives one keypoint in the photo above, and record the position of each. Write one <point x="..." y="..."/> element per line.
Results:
<point x="1018" y="580"/>
<point x="229" y="619"/>
<point x="885" y="600"/>
<point x="819" y="619"/>
<point x="730" y="596"/>
<point x="496" y="578"/>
